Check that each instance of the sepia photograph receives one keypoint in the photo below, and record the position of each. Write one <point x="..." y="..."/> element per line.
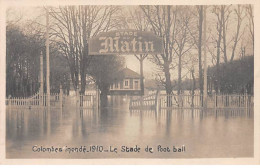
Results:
<point x="129" y="81"/>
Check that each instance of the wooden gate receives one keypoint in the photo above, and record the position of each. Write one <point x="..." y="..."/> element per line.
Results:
<point x="90" y="99"/>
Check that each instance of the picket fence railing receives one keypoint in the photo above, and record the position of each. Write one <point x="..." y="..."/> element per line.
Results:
<point x="23" y="101"/>
<point x="161" y="101"/>
<point x="36" y="101"/>
<point x="148" y="101"/>
<point x="57" y="100"/>
<point x="89" y="100"/>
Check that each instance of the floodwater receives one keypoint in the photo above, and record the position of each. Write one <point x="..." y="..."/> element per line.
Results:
<point x="107" y="133"/>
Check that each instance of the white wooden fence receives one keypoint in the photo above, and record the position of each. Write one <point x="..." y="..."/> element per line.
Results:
<point x="213" y="101"/>
<point x="144" y="102"/>
<point x="89" y="100"/>
<point x="32" y="101"/>
<point x="57" y="100"/>
<point x="36" y="101"/>
<point x="162" y="101"/>
<point x="192" y="113"/>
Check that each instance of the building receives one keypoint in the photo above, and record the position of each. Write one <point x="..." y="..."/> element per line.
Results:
<point x="127" y="82"/>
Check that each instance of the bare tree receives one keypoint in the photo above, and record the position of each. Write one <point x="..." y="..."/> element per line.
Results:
<point x="139" y="22"/>
<point x="196" y="34"/>
<point x="250" y="15"/>
<point x="240" y="15"/>
<point x="183" y="40"/>
<point x="162" y="20"/>
<point x="226" y="12"/>
<point x="73" y="26"/>
<point x="218" y="10"/>
<point x="200" y="11"/>
<point x="223" y="41"/>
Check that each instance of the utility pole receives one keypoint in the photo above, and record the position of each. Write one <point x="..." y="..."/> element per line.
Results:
<point x="205" y="92"/>
<point x="47" y="59"/>
<point x="41" y="79"/>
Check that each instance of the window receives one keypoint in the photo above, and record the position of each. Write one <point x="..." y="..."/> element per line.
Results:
<point x="136" y="85"/>
<point x="116" y="85"/>
<point x="126" y="83"/>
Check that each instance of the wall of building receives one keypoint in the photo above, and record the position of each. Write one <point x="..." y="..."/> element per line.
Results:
<point x="121" y="85"/>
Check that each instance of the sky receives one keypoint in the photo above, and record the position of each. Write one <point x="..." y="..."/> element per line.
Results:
<point x="133" y="63"/>
<point x="33" y="13"/>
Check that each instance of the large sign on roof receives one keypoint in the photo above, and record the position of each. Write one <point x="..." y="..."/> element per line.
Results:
<point x="125" y="42"/>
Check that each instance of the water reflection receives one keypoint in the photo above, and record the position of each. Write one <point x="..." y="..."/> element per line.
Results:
<point x="210" y="133"/>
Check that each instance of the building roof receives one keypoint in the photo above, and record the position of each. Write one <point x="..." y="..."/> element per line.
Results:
<point x="127" y="73"/>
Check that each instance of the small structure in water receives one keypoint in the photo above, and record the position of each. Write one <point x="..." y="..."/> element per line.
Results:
<point x="127" y="82"/>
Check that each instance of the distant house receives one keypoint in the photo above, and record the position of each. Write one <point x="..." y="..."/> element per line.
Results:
<point x="127" y="82"/>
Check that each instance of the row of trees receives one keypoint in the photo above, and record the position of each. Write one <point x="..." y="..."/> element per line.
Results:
<point x="23" y="64"/>
<point x="181" y="28"/>
<point x="70" y="27"/>
<point x="235" y="77"/>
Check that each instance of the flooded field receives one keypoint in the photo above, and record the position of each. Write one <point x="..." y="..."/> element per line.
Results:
<point x="114" y="130"/>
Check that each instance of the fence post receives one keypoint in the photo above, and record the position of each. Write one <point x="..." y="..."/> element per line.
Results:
<point x="246" y="100"/>
<point x="97" y="99"/>
<point x="249" y="102"/>
<point x="61" y="96"/>
<point x="9" y="102"/>
<point x="130" y="103"/>
<point x="93" y="101"/>
<point x="41" y="93"/>
<point x="80" y="100"/>
<point x="157" y="99"/>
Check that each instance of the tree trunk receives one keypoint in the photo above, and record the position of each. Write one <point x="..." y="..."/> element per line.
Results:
<point x="237" y="33"/>
<point x="82" y="75"/>
<point x="84" y="57"/>
<point x="103" y="98"/>
<point x="193" y="88"/>
<point x="179" y="75"/>
<point x="218" y="56"/>
<point x="168" y="85"/>
<point x="199" y="49"/>
<point x="142" y="77"/>
<point x="224" y="33"/>
<point x="83" y="82"/>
